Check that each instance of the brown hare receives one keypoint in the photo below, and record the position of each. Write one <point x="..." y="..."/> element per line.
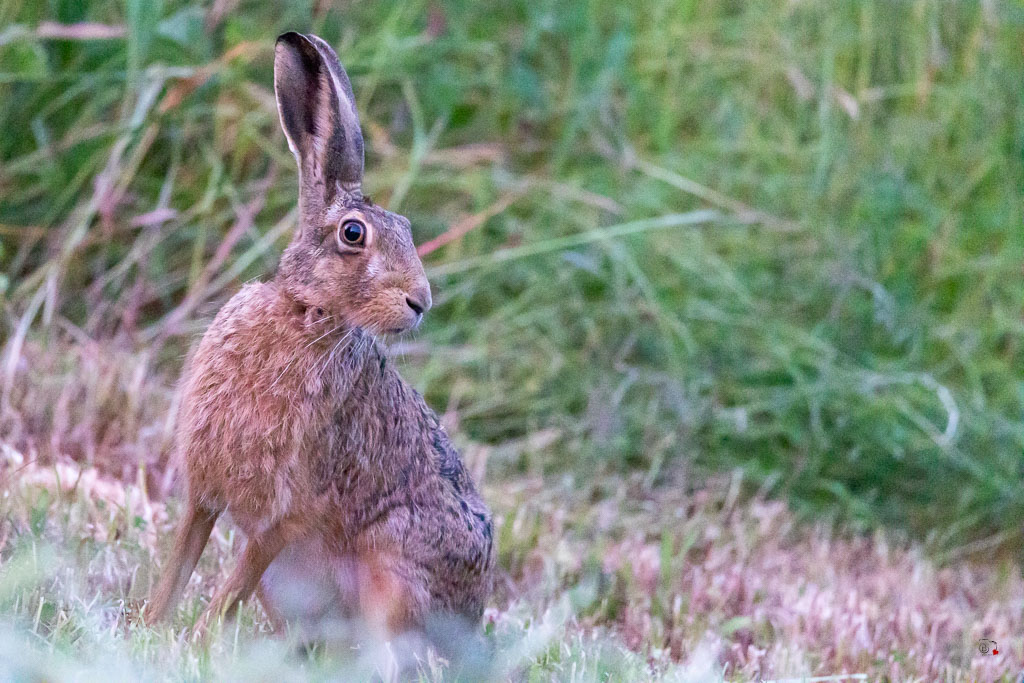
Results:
<point x="293" y="421"/>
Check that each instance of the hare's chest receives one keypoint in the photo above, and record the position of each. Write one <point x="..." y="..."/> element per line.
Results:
<point x="249" y="437"/>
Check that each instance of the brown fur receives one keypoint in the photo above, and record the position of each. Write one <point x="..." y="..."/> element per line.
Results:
<point x="293" y="421"/>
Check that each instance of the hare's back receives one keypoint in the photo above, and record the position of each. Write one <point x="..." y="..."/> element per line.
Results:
<point x="454" y="536"/>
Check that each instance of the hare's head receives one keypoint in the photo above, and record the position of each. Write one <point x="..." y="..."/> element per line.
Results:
<point x="354" y="260"/>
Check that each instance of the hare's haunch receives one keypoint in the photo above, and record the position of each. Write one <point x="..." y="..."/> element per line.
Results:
<point x="292" y="420"/>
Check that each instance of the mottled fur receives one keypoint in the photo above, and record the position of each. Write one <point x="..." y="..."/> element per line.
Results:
<point x="293" y="421"/>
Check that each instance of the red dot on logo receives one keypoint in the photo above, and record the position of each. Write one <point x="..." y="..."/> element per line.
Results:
<point x="995" y="652"/>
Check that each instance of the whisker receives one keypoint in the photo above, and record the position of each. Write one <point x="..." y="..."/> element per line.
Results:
<point x="330" y="356"/>
<point x="295" y="357"/>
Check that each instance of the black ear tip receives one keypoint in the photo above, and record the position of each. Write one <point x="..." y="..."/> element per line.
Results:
<point x="302" y="46"/>
<point x="292" y="39"/>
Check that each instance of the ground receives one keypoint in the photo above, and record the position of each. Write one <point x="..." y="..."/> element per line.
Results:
<point x="596" y="582"/>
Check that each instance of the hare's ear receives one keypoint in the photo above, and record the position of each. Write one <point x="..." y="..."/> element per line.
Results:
<point x="318" y="114"/>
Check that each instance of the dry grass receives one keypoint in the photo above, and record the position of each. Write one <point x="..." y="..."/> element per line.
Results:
<point x="93" y="403"/>
<point x="674" y="574"/>
<point x="599" y="578"/>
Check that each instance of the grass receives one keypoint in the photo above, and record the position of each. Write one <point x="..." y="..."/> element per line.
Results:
<point x="644" y="585"/>
<point x="676" y="240"/>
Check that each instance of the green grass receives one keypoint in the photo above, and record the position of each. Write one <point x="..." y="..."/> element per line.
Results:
<point x="846" y="327"/>
<point x="779" y="238"/>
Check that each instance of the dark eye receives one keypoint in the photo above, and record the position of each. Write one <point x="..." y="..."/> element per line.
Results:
<point x="353" y="232"/>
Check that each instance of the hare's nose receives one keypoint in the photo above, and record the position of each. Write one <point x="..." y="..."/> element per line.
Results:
<point x="416" y="306"/>
<point x="419" y="299"/>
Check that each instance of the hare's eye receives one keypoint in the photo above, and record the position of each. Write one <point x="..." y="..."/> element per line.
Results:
<point x="353" y="232"/>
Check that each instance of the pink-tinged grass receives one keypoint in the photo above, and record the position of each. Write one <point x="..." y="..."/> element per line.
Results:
<point x="622" y="581"/>
<point x="670" y="573"/>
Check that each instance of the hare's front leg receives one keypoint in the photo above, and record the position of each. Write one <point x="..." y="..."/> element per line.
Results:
<point x="277" y="620"/>
<point x="193" y="533"/>
<point x="259" y="552"/>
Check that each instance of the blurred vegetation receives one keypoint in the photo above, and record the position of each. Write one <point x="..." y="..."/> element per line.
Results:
<point x="644" y="585"/>
<point x="780" y="237"/>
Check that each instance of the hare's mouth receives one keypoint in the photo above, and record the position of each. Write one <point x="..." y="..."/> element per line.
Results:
<point x="393" y="330"/>
<point x="386" y="316"/>
<point x="402" y="329"/>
